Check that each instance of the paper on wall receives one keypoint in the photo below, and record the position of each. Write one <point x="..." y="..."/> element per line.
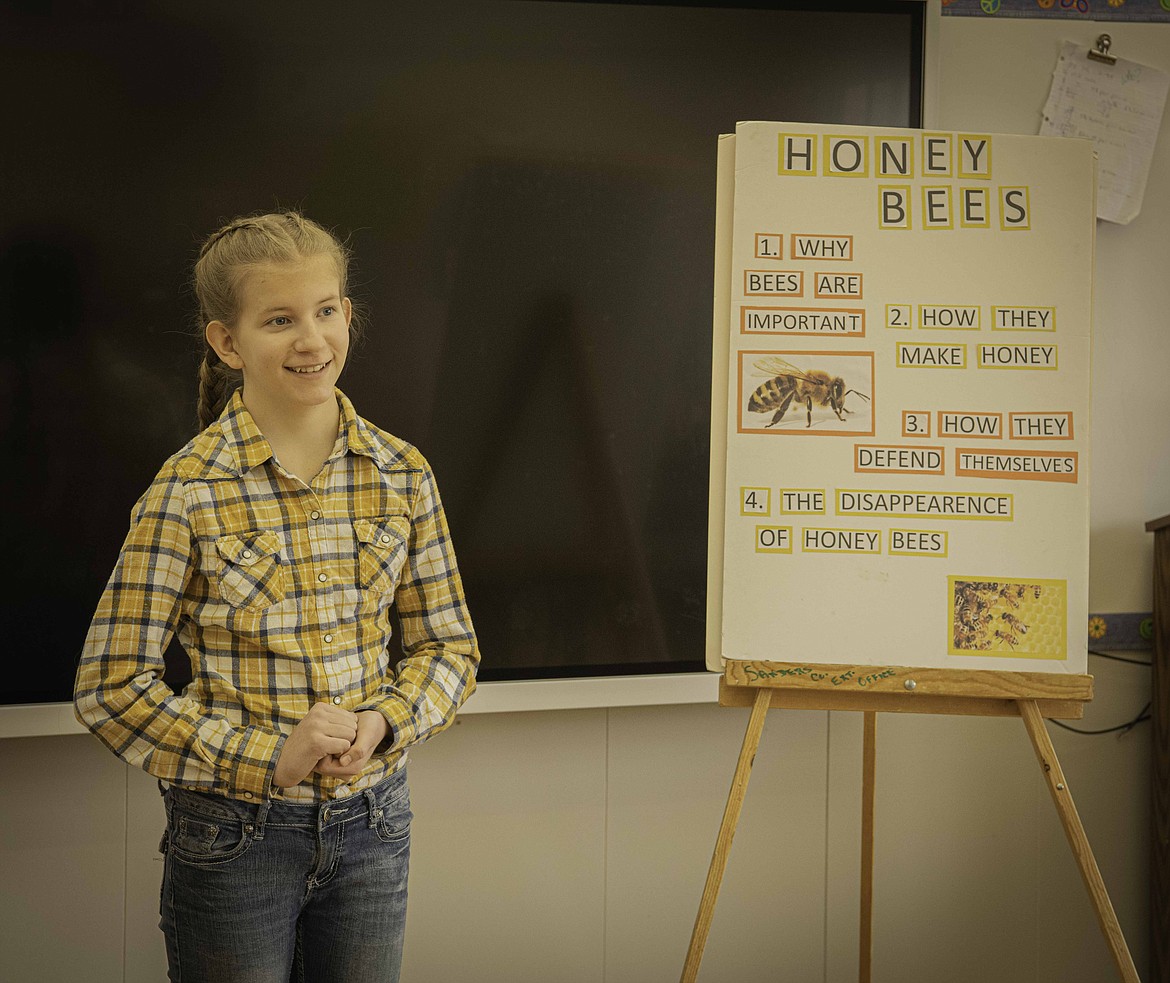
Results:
<point x="1119" y="108"/>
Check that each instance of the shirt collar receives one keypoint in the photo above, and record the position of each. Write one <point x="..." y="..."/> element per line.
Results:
<point x="246" y="444"/>
<point x="354" y="432"/>
<point x="249" y="447"/>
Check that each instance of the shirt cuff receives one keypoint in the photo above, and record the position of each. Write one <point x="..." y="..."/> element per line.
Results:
<point x="400" y="726"/>
<point x="252" y="763"/>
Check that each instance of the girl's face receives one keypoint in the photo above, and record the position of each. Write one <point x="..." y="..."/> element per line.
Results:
<point x="291" y="336"/>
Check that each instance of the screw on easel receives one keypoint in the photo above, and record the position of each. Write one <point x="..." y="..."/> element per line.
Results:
<point x="910" y="684"/>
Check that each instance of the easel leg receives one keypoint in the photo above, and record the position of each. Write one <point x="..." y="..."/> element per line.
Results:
<point x="1078" y="841"/>
<point x="868" y="771"/>
<point x="743" y="771"/>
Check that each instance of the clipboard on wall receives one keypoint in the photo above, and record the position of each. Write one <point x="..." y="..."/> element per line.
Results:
<point x="1118" y="105"/>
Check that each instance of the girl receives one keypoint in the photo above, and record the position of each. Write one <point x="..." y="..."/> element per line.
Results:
<point x="275" y="545"/>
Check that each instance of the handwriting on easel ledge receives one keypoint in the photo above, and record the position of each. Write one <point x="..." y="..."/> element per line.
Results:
<point x="818" y="675"/>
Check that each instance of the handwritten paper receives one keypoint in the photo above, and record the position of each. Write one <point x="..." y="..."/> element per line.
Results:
<point x="1119" y="108"/>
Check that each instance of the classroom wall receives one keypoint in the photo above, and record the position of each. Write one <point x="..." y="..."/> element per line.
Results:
<point x="572" y="845"/>
<point x="995" y="74"/>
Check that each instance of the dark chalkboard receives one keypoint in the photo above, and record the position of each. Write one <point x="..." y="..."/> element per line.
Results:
<point x="528" y="188"/>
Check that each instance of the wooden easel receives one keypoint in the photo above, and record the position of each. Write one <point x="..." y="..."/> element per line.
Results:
<point x="899" y="689"/>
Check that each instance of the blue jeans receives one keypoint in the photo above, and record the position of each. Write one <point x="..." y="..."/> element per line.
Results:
<point x="273" y="892"/>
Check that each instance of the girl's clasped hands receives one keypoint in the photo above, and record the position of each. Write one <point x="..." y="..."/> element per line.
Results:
<point x="329" y="740"/>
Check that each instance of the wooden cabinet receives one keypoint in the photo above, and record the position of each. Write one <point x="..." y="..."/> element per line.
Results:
<point x="1159" y="712"/>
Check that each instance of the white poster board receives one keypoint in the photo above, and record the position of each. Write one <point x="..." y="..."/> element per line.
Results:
<point x="901" y="398"/>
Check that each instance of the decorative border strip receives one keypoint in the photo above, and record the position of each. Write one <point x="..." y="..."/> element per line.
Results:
<point x="1121" y="632"/>
<point x="1092" y="10"/>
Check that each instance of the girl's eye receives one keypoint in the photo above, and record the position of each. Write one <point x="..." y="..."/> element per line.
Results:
<point x="328" y="311"/>
<point x="280" y="321"/>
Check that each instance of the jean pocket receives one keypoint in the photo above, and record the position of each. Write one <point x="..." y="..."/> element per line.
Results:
<point x="203" y="841"/>
<point x="392" y="817"/>
<point x="395" y="828"/>
<point x="382" y="546"/>
<point x="250" y="573"/>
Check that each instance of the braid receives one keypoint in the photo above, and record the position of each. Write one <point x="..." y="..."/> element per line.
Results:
<point x="233" y="226"/>
<point x="217" y="382"/>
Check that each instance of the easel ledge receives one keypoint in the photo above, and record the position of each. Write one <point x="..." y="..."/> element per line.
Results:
<point x="903" y="689"/>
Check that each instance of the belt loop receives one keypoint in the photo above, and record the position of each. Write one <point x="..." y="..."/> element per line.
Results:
<point x="372" y="807"/>
<point x="261" y="818"/>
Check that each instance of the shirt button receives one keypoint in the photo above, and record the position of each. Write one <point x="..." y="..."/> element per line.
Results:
<point x="314" y="514"/>
<point x="337" y="700"/>
<point x="247" y="554"/>
<point x="322" y="577"/>
<point x="385" y="538"/>
<point x="247" y="795"/>
<point x="328" y="639"/>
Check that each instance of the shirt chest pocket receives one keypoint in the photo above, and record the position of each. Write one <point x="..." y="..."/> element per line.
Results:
<point x="382" y="544"/>
<point x="250" y="573"/>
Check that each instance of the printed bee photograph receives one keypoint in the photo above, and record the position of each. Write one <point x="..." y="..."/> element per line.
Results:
<point x="792" y="392"/>
<point x="1008" y="617"/>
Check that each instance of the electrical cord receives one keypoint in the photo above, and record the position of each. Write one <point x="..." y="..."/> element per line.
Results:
<point x="1125" y="728"/>
<point x="1142" y="717"/>
<point x="1118" y="658"/>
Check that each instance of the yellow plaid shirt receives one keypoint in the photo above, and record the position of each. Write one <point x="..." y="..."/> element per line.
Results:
<point x="281" y="594"/>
